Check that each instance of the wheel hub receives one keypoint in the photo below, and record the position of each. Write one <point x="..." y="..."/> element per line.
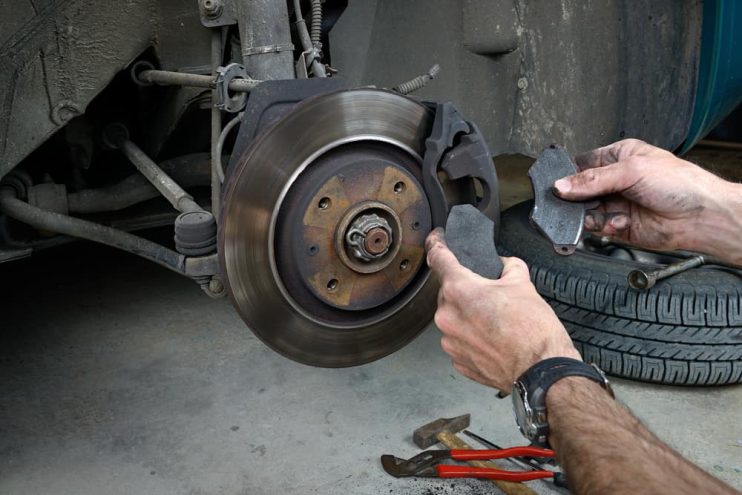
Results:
<point x="351" y="230"/>
<point x="369" y="237"/>
<point x="368" y="232"/>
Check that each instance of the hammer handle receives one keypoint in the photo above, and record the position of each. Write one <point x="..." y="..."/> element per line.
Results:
<point x="451" y="441"/>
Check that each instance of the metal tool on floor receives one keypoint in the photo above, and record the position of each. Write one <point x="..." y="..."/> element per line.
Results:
<point x="444" y="430"/>
<point x="560" y="479"/>
<point x="429" y="464"/>
<point x="675" y="262"/>
<point x="641" y="280"/>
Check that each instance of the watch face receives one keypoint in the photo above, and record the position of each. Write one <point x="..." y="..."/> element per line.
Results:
<point x="521" y="408"/>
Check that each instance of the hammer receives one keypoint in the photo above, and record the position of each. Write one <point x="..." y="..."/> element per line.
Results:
<point x="444" y="430"/>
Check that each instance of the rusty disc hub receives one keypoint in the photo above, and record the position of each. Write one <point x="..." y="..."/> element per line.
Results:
<point x="352" y="228"/>
<point x="368" y="236"/>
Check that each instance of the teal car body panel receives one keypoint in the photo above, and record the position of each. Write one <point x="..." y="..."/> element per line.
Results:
<point x="719" y="89"/>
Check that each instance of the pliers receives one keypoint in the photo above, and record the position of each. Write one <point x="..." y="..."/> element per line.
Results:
<point x="428" y="463"/>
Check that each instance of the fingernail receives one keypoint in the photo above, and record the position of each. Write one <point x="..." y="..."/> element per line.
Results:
<point x="619" y="222"/>
<point x="563" y="185"/>
<point x="589" y="222"/>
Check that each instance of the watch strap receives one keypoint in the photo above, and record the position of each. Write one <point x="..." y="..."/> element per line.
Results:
<point x="547" y="372"/>
<point x="536" y="382"/>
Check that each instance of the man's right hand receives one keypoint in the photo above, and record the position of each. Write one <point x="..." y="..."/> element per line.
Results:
<point x="650" y="198"/>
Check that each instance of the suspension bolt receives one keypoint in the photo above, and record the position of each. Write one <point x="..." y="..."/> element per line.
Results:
<point x="215" y="286"/>
<point x="212" y="8"/>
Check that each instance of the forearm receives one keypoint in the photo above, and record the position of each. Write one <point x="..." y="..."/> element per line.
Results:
<point x="603" y="448"/>
<point x="719" y="229"/>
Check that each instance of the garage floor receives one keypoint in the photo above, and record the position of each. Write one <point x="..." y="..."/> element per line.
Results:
<point x="119" y="377"/>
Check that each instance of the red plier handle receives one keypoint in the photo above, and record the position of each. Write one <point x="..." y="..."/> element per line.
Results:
<point x="483" y="455"/>
<point x="453" y="471"/>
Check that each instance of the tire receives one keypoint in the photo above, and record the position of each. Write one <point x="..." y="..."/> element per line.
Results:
<point x="686" y="330"/>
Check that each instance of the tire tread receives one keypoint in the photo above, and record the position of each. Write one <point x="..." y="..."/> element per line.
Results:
<point x="685" y="331"/>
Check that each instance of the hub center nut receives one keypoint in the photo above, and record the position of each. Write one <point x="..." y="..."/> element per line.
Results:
<point x="377" y="241"/>
<point x="369" y="237"/>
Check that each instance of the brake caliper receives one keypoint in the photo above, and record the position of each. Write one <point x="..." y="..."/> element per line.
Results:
<point x="457" y="148"/>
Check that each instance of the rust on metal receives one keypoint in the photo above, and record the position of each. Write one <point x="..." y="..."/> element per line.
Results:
<point x="376" y="241"/>
<point x="427" y="435"/>
<point x="332" y="272"/>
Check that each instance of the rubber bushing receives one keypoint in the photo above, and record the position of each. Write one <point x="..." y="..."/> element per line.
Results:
<point x="195" y="233"/>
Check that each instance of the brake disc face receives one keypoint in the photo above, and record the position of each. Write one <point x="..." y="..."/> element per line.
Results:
<point x="323" y="225"/>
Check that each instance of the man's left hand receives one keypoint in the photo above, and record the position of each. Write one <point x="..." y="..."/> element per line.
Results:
<point x="494" y="330"/>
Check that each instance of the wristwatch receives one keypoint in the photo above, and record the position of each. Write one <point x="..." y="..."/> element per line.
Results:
<point x="529" y="393"/>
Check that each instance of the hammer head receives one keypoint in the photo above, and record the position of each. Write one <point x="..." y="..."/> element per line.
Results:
<point x="427" y="435"/>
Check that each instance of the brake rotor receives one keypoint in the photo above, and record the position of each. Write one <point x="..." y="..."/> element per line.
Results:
<point x="323" y="227"/>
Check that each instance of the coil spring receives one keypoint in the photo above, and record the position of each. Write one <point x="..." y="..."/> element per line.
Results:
<point x="316" y="33"/>
<point x="408" y="87"/>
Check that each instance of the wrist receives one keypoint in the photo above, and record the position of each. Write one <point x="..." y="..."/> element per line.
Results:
<point x="719" y="228"/>
<point x="731" y="225"/>
<point x="568" y="351"/>
<point x="565" y="349"/>
<point x="522" y="365"/>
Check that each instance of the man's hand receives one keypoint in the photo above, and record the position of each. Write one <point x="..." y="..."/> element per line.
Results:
<point x="494" y="330"/>
<point x="651" y="198"/>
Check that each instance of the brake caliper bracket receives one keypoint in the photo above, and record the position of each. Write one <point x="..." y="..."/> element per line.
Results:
<point x="456" y="147"/>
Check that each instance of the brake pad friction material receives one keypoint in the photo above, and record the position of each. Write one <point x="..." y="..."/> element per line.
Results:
<point x="470" y="235"/>
<point x="560" y="221"/>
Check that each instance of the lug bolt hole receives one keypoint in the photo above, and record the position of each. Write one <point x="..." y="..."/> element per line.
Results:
<point x="332" y="285"/>
<point x="404" y="265"/>
<point x="399" y="187"/>
<point x="324" y="203"/>
<point x="415" y="225"/>
<point x="312" y="250"/>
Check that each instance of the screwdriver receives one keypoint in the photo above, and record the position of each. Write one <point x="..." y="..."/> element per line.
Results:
<point x="560" y="479"/>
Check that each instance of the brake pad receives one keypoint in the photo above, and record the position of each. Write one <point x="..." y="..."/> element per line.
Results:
<point x="560" y="221"/>
<point x="470" y="235"/>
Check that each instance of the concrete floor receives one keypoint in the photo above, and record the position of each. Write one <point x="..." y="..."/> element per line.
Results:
<point x="119" y="377"/>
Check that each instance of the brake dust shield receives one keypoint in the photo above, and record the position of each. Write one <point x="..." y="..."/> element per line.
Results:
<point x="323" y="228"/>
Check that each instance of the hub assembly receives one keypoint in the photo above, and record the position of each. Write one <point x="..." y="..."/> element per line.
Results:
<point x="351" y="229"/>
